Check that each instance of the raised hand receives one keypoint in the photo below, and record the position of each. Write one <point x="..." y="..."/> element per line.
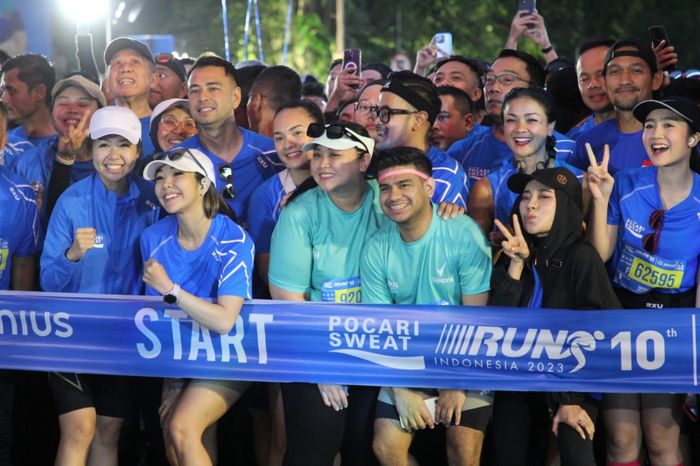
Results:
<point x="514" y="246"/>
<point x="70" y="144"/>
<point x="83" y="241"/>
<point x="600" y="181"/>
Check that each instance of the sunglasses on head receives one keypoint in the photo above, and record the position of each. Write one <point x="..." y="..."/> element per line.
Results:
<point x="334" y="131"/>
<point x="226" y="174"/>
<point x="177" y="154"/>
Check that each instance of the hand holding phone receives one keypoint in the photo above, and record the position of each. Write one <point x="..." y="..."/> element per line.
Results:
<point x="352" y="61"/>
<point x="666" y="56"/>
<point x="443" y="41"/>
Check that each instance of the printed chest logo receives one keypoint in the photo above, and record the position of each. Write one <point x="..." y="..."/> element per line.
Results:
<point x="634" y="228"/>
<point x="441" y="279"/>
<point x="99" y="241"/>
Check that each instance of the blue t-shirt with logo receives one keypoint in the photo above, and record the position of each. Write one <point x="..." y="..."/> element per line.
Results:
<point x="19" y="133"/>
<point x="15" y="148"/>
<point x="19" y="224"/>
<point x="484" y="153"/>
<point x="254" y="163"/>
<point x="673" y="267"/>
<point x="221" y="266"/>
<point x="626" y="150"/>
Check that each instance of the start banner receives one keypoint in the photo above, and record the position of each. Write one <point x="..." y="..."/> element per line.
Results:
<point x="485" y="348"/>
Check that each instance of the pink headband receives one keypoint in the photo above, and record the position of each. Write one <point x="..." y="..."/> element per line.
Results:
<point x="402" y="171"/>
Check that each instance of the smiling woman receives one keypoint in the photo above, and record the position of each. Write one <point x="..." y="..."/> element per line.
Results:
<point x="91" y="246"/>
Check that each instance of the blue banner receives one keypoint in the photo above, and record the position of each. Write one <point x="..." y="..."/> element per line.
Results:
<point x="413" y="346"/>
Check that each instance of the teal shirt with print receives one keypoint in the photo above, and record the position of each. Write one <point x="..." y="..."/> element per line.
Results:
<point x="316" y="246"/>
<point x="452" y="259"/>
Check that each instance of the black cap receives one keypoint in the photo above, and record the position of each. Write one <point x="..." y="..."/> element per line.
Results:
<point x="123" y="43"/>
<point x="167" y="60"/>
<point x="644" y="51"/>
<point x="684" y="108"/>
<point x="560" y="179"/>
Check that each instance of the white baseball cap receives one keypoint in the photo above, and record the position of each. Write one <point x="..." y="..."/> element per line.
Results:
<point x="186" y="160"/>
<point x="113" y="120"/>
<point x="165" y="105"/>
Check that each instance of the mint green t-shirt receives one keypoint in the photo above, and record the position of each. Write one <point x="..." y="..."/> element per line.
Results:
<point x="452" y="258"/>
<point x="316" y="247"/>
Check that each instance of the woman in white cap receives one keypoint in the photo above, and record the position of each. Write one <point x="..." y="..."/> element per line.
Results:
<point x="91" y="246"/>
<point x="645" y="221"/>
<point x="171" y="123"/>
<point x="315" y="256"/>
<point x="178" y="251"/>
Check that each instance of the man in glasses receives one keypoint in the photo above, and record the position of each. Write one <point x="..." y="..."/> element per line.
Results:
<point x="631" y="76"/>
<point x="408" y="107"/>
<point x="487" y="151"/>
<point x="243" y="159"/>
<point x="171" y="80"/>
<point x="131" y="74"/>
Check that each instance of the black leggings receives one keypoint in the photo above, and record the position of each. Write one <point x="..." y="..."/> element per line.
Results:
<point x="522" y="423"/>
<point x="7" y="390"/>
<point x="315" y="432"/>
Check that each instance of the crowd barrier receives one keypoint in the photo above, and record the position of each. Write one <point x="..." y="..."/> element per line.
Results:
<point x="485" y="348"/>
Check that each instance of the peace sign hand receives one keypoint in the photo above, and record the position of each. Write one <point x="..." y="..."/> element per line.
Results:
<point x="514" y="246"/>
<point x="70" y="144"/>
<point x="600" y="181"/>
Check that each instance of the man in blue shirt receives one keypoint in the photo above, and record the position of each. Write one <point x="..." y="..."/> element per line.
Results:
<point x="408" y="106"/>
<point x="631" y="76"/>
<point x="590" y="59"/>
<point x="243" y="159"/>
<point x="131" y="74"/>
<point x="487" y="151"/>
<point x="25" y="88"/>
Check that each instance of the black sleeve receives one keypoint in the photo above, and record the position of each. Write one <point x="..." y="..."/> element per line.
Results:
<point x="565" y="398"/>
<point x="86" y="57"/>
<point x="59" y="182"/>
<point x="592" y="288"/>
<point x="504" y="290"/>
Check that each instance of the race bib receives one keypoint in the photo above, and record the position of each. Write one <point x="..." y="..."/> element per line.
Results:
<point x="347" y="291"/>
<point x="4" y="253"/>
<point x="639" y="272"/>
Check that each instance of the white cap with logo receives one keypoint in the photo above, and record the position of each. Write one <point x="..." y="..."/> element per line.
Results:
<point x="119" y="121"/>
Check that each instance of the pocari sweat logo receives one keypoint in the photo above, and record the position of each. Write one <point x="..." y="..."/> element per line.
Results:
<point x="474" y="341"/>
<point x="381" y="341"/>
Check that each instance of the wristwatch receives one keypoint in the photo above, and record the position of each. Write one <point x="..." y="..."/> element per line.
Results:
<point x="172" y="296"/>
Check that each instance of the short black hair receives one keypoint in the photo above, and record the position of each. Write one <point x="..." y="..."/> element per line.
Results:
<point x="279" y="83"/>
<point x="33" y="71"/>
<point x="592" y="43"/>
<point x="533" y="66"/>
<point x="474" y="65"/>
<point x="397" y="156"/>
<point x="311" y="108"/>
<point x="463" y="103"/>
<point x="212" y="59"/>
<point x="313" y="89"/>
<point x="246" y="77"/>
<point x="335" y="63"/>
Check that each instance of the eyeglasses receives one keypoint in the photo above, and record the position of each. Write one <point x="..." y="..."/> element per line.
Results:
<point x="363" y="108"/>
<point x="507" y="79"/>
<point x="384" y="113"/>
<point x="164" y="58"/>
<point x="226" y="174"/>
<point x="171" y="123"/>
<point x="177" y="153"/>
<point x="334" y="131"/>
<point x="650" y="242"/>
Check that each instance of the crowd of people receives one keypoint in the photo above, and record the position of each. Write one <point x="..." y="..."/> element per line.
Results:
<point x="535" y="182"/>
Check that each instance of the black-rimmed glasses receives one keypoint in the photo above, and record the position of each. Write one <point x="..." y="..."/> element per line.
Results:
<point x="384" y="113"/>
